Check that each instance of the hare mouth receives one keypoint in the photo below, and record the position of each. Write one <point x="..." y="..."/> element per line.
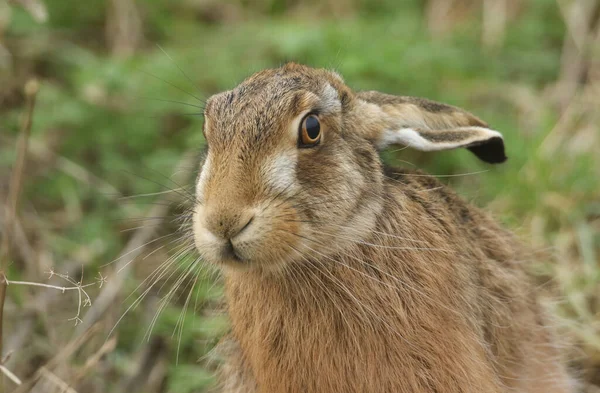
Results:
<point x="230" y="253"/>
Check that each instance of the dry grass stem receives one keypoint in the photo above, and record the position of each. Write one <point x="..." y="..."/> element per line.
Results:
<point x="93" y="360"/>
<point x="495" y="15"/>
<point x="10" y="375"/>
<point x="67" y="351"/>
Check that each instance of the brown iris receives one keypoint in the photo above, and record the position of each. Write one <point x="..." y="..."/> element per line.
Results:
<point x="310" y="131"/>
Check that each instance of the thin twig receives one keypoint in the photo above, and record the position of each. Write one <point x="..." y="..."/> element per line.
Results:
<point x="77" y="286"/>
<point x="2" y="297"/>
<point x="14" y="191"/>
<point x="61" y="356"/>
<point x="21" y="244"/>
<point x="39" y="284"/>
<point x="16" y="178"/>
<point x="40" y="303"/>
<point x="576" y="54"/>
<point x="57" y="381"/>
<point x="10" y="375"/>
<point x="150" y="359"/>
<point x="93" y="360"/>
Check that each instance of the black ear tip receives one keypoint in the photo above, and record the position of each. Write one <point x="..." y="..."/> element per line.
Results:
<point x="491" y="150"/>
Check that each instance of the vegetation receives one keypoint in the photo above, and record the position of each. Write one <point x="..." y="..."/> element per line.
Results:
<point x="121" y="84"/>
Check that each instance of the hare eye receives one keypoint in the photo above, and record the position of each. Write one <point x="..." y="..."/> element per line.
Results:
<point x="310" y="131"/>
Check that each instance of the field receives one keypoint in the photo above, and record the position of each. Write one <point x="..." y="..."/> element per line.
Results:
<point x="100" y="119"/>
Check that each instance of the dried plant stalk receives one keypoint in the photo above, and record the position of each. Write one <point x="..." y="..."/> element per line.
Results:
<point x="14" y="191"/>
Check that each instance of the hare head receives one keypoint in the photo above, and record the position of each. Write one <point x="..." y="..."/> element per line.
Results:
<point x="293" y="159"/>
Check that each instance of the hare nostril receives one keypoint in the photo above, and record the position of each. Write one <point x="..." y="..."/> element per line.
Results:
<point x="228" y="225"/>
<point x="241" y="228"/>
<point x="246" y="225"/>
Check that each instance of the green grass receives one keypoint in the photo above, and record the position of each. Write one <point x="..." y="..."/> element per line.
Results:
<point x="105" y="114"/>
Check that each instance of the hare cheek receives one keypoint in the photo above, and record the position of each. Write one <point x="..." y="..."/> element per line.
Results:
<point x="207" y="244"/>
<point x="201" y="184"/>
<point x="280" y="173"/>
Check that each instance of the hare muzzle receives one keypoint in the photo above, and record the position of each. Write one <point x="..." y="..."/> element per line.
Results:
<point x="235" y="224"/>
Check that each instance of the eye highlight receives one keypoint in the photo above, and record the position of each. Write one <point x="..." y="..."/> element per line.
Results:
<point x="310" y="131"/>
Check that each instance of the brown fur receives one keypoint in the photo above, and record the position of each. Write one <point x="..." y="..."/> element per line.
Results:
<point x="353" y="277"/>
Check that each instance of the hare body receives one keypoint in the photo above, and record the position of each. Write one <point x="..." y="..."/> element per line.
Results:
<point x="451" y="312"/>
<point x="342" y="275"/>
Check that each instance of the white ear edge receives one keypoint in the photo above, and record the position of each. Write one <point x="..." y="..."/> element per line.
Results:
<point x="411" y="138"/>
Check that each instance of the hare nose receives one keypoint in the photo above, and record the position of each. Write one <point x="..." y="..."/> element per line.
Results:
<point x="228" y="226"/>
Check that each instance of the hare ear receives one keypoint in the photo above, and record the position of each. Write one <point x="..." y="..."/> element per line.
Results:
<point x="426" y="125"/>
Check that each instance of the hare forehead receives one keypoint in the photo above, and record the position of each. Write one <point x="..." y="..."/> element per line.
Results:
<point x="262" y="118"/>
<point x="273" y="95"/>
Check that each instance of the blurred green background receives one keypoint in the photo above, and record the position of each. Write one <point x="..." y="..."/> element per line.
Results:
<point x="119" y="103"/>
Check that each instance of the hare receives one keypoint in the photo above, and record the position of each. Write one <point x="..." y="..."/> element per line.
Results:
<point x="344" y="275"/>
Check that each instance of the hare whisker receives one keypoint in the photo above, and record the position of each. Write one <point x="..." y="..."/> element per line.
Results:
<point x="372" y="312"/>
<point x="137" y="248"/>
<point x="159" y="273"/>
<point x="177" y="65"/>
<point x="384" y="246"/>
<point x="398" y="280"/>
<point x="171" y="84"/>
<point x="327" y="293"/>
<point x="351" y="229"/>
<point x="182" y="314"/>
<point x="165" y="300"/>
<point x="172" y="102"/>
<point x="147" y="194"/>
<point x="181" y="249"/>
<point x="438" y="176"/>
<point x="182" y="253"/>
<point x="181" y="191"/>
